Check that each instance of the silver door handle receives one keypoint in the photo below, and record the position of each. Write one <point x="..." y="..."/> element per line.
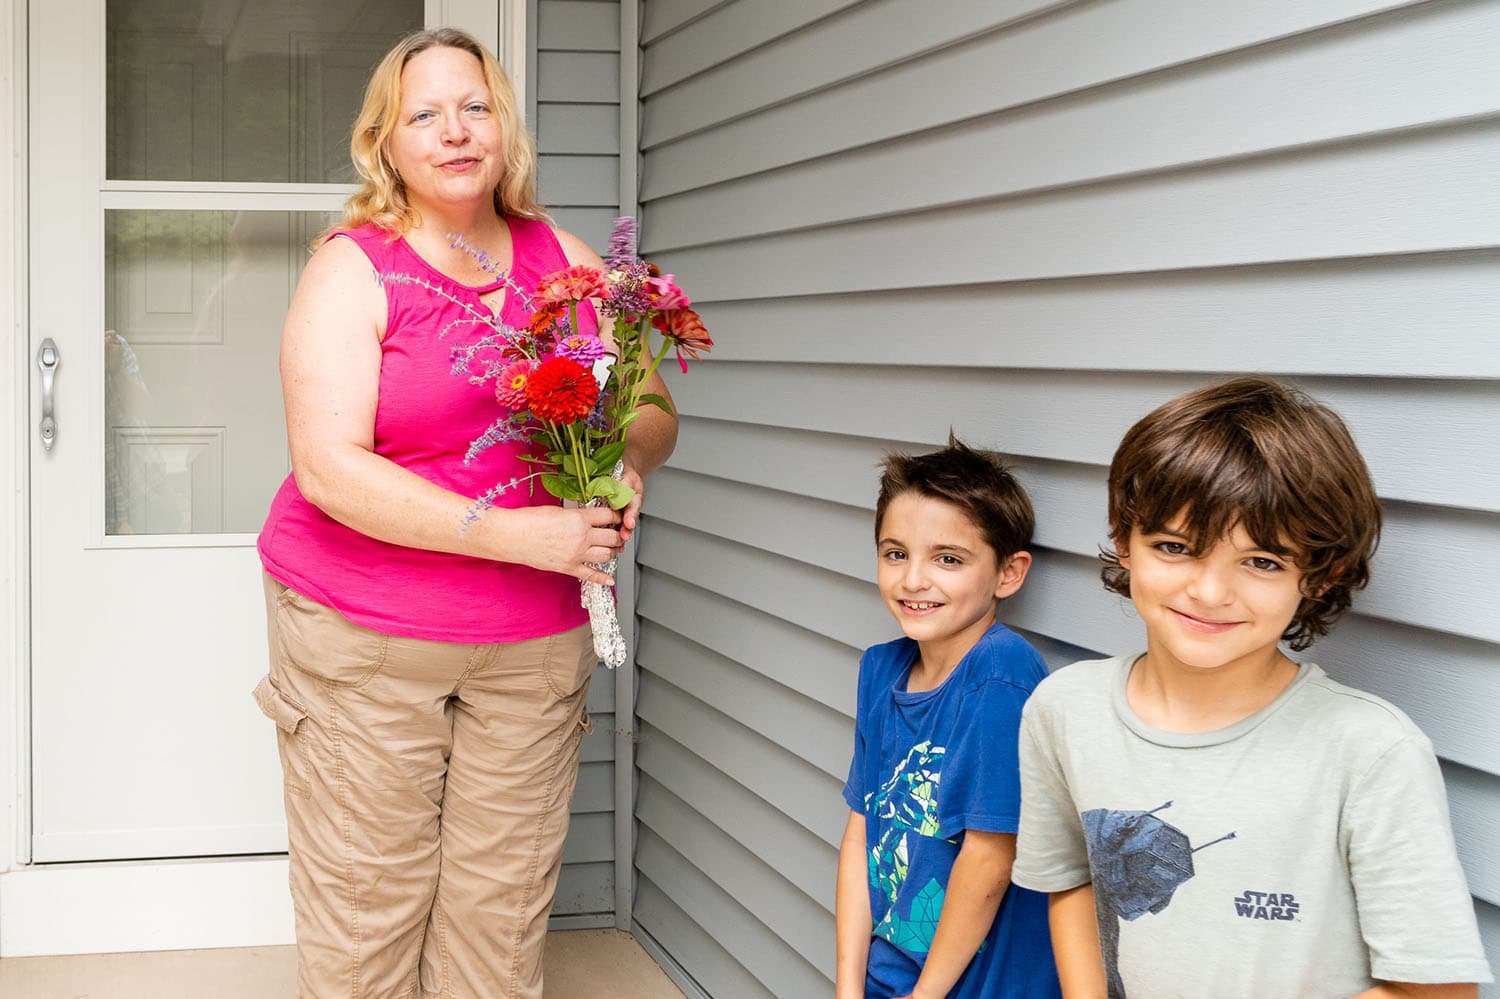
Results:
<point x="49" y="360"/>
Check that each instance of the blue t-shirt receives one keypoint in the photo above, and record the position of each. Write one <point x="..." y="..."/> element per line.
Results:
<point x="928" y="766"/>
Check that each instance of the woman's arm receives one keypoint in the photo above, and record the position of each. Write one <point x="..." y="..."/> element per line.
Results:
<point x="1075" y="943"/>
<point x="651" y="438"/>
<point x="976" y="886"/>
<point x="1399" y="990"/>
<point x="330" y="374"/>
<point x="852" y="920"/>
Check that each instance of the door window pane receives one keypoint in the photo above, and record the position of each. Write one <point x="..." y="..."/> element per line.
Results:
<point x="194" y="436"/>
<point x="207" y="90"/>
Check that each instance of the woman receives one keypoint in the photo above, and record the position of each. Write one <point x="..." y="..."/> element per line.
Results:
<point x="427" y="679"/>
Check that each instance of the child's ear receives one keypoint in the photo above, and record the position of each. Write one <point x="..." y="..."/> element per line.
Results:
<point x="1122" y="552"/>
<point x="1013" y="574"/>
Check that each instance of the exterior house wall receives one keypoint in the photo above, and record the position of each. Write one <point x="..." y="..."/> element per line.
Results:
<point x="1033" y="221"/>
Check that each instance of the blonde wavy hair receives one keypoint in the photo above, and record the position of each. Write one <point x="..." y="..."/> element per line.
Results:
<point x="381" y="198"/>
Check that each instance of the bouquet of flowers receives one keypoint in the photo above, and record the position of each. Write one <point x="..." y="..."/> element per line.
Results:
<point x="567" y="395"/>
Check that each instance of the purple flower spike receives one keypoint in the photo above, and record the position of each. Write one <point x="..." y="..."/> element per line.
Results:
<point x="622" y="243"/>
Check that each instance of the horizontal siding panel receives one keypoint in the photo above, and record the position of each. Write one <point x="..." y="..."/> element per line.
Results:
<point x="596" y="788"/>
<point x="578" y="128"/>
<point x="584" y="888"/>
<point x="1474" y="799"/>
<point x="1425" y="191"/>
<point x="1358" y="317"/>
<point x="694" y="949"/>
<point x="800" y="924"/>
<point x="599" y="745"/>
<point x="730" y="30"/>
<point x="591" y="839"/>
<point x="580" y="181"/>
<point x="1077" y="47"/>
<point x="661" y="17"/>
<point x="1425" y="441"/>
<point x="592" y="225"/>
<point x="578" y="26"/>
<point x="802" y="792"/>
<point x="804" y="661"/>
<point x="1489" y="931"/>
<point x="814" y="733"/>
<point x="578" y="77"/>
<point x="745" y="938"/>
<point x="1312" y="91"/>
<point x="757" y="825"/>
<point x="1448" y="685"/>
<point x="601" y="699"/>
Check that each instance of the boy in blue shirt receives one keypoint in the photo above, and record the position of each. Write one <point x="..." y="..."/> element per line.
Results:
<point x="1211" y="816"/>
<point x="926" y="908"/>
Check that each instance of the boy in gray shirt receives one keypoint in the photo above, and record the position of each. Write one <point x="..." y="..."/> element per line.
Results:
<point x="1211" y="817"/>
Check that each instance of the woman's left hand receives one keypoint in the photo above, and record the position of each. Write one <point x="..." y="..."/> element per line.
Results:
<point x="631" y="515"/>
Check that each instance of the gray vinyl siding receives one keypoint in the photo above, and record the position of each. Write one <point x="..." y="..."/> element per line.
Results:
<point x="1033" y="222"/>
<point x="575" y="115"/>
<point x="577" y="122"/>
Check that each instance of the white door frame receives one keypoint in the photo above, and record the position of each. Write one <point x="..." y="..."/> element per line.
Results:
<point x="123" y="906"/>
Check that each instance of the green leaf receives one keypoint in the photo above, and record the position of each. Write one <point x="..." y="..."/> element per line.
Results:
<point x="607" y="455"/>
<point x="563" y="487"/>
<point x="626" y="421"/>
<point x="615" y="492"/>
<point x="659" y="402"/>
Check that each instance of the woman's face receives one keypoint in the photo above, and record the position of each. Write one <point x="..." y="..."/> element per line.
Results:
<point x="448" y="145"/>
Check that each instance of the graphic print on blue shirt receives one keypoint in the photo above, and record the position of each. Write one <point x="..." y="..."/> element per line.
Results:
<point x="1137" y="860"/>
<point x="906" y="805"/>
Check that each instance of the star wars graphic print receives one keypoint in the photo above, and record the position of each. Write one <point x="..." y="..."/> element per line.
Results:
<point x="1137" y="860"/>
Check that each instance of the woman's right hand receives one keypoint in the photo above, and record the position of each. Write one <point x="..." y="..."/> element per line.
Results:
<point x="564" y="540"/>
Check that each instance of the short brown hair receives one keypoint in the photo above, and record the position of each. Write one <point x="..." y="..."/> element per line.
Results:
<point x="1256" y="453"/>
<point x="381" y="197"/>
<point x="977" y="482"/>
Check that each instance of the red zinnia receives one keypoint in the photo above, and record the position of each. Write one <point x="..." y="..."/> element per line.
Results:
<point x="561" y="391"/>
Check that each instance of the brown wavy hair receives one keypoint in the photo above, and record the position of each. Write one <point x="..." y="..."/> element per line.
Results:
<point x="1256" y="453"/>
<point x="381" y="198"/>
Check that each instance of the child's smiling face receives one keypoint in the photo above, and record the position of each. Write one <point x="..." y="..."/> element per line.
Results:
<point x="1213" y="609"/>
<point x="937" y="574"/>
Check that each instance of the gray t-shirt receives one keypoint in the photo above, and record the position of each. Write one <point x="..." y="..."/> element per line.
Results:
<point x="1302" y="852"/>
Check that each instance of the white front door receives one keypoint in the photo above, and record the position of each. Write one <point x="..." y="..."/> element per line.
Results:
<point x="183" y="152"/>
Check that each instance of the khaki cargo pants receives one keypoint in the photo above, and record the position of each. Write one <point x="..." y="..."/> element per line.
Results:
<point x="427" y="794"/>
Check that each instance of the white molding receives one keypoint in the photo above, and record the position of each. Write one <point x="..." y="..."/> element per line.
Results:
<point x="208" y="197"/>
<point x="130" y="906"/>
<point x="143" y="906"/>
<point x="15" y="732"/>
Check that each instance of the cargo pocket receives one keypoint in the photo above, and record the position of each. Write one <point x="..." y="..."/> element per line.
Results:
<point x="288" y="716"/>
<point x="569" y="662"/>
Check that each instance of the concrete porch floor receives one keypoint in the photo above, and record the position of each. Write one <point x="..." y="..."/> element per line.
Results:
<point x="580" y="964"/>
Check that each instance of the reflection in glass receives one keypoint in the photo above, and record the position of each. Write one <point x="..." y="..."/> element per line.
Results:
<point x="206" y="90"/>
<point x="194" y="436"/>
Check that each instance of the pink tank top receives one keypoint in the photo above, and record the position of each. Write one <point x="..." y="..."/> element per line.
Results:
<point x="424" y="421"/>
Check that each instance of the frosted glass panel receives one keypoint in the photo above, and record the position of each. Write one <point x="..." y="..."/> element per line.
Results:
<point x="194" y="437"/>
<point x="208" y="90"/>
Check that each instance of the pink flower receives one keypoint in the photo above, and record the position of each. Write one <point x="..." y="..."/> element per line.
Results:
<point x="581" y="347"/>
<point x="662" y="294"/>
<point x="571" y="285"/>
<point x="510" y="387"/>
